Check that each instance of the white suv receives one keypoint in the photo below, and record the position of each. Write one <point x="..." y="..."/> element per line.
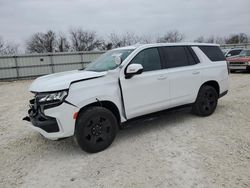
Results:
<point x="125" y="83"/>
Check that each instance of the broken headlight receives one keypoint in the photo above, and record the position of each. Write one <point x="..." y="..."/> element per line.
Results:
<point x="56" y="97"/>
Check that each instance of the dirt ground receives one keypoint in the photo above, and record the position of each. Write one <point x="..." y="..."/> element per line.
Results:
<point x="170" y="149"/>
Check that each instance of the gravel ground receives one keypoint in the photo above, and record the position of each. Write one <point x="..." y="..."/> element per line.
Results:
<point x="169" y="149"/>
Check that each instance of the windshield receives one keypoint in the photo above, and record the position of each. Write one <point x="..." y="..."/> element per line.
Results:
<point x="244" y="53"/>
<point x="107" y="61"/>
<point x="224" y="51"/>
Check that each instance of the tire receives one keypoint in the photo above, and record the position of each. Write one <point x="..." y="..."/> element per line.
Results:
<point x="232" y="71"/>
<point x="206" y="101"/>
<point x="95" y="129"/>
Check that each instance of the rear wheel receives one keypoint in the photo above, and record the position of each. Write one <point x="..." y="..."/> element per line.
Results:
<point x="206" y="101"/>
<point x="95" y="129"/>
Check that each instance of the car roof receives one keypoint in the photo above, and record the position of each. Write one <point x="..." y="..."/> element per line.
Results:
<point x="235" y="49"/>
<point x="165" y="44"/>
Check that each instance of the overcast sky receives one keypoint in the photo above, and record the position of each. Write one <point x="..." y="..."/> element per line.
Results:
<point x="21" y="18"/>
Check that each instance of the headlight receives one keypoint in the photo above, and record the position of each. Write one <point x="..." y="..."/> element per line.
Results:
<point x="53" y="97"/>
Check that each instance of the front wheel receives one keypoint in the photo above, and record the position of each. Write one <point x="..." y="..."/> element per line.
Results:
<point x="95" y="129"/>
<point x="206" y="101"/>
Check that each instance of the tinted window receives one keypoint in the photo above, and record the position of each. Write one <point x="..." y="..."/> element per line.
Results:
<point x="235" y="52"/>
<point x="176" y="56"/>
<point x="244" y="53"/>
<point x="192" y="57"/>
<point x="214" y="53"/>
<point x="149" y="59"/>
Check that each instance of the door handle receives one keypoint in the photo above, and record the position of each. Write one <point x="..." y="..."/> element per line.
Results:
<point x="196" y="72"/>
<point x="162" y="77"/>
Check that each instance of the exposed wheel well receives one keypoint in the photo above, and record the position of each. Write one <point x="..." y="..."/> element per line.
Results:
<point x="213" y="84"/>
<point x="106" y="104"/>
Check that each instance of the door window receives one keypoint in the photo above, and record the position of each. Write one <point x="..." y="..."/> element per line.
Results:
<point x="176" y="56"/>
<point x="149" y="59"/>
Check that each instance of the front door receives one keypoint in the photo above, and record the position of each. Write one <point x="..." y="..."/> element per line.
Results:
<point x="147" y="92"/>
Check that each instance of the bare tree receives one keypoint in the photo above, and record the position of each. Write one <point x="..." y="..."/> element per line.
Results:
<point x="171" y="36"/>
<point x="1" y="43"/>
<point x="84" y="40"/>
<point x="200" y="39"/>
<point x="123" y="40"/>
<point x="146" y="39"/>
<point x="7" y="49"/>
<point x="127" y="39"/>
<point x="42" y="42"/>
<point x="62" y="43"/>
<point x="115" y="40"/>
<point x="2" y="46"/>
<point x="220" y="40"/>
<point x="130" y="39"/>
<point x="237" y="38"/>
<point x="105" y="45"/>
<point x="211" y="39"/>
<point x="243" y="38"/>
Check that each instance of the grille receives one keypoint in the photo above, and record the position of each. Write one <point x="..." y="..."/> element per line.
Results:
<point x="237" y="63"/>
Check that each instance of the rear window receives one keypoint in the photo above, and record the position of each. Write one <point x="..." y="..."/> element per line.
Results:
<point x="214" y="53"/>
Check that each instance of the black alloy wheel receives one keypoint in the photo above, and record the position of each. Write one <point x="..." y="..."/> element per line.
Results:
<point x="206" y="101"/>
<point x="95" y="129"/>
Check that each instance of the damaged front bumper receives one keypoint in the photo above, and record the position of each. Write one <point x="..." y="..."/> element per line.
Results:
<point x="38" y="119"/>
<point x="52" y="122"/>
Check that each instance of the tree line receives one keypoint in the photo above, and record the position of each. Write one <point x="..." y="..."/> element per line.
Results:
<point x="7" y="48"/>
<point x="84" y="40"/>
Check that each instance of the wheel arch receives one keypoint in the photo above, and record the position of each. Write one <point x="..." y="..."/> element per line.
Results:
<point x="214" y="84"/>
<point x="106" y="104"/>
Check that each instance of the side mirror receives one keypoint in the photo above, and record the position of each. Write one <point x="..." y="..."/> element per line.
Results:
<point x="229" y="55"/>
<point x="132" y="70"/>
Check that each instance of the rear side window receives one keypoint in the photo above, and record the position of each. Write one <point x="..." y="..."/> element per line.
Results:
<point x="214" y="53"/>
<point x="178" y="56"/>
<point x="149" y="59"/>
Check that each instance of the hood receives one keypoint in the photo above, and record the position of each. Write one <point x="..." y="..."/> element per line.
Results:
<point x="238" y="59"/>
<point x="62" y="80"/>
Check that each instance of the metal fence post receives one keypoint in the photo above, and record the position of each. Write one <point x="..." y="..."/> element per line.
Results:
<point x="52" y="63"/>
<point x="16" y="66"/>
<point x="82" y="60"/>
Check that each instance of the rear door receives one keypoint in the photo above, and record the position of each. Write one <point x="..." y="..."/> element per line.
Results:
<point x="184" y="74"/>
